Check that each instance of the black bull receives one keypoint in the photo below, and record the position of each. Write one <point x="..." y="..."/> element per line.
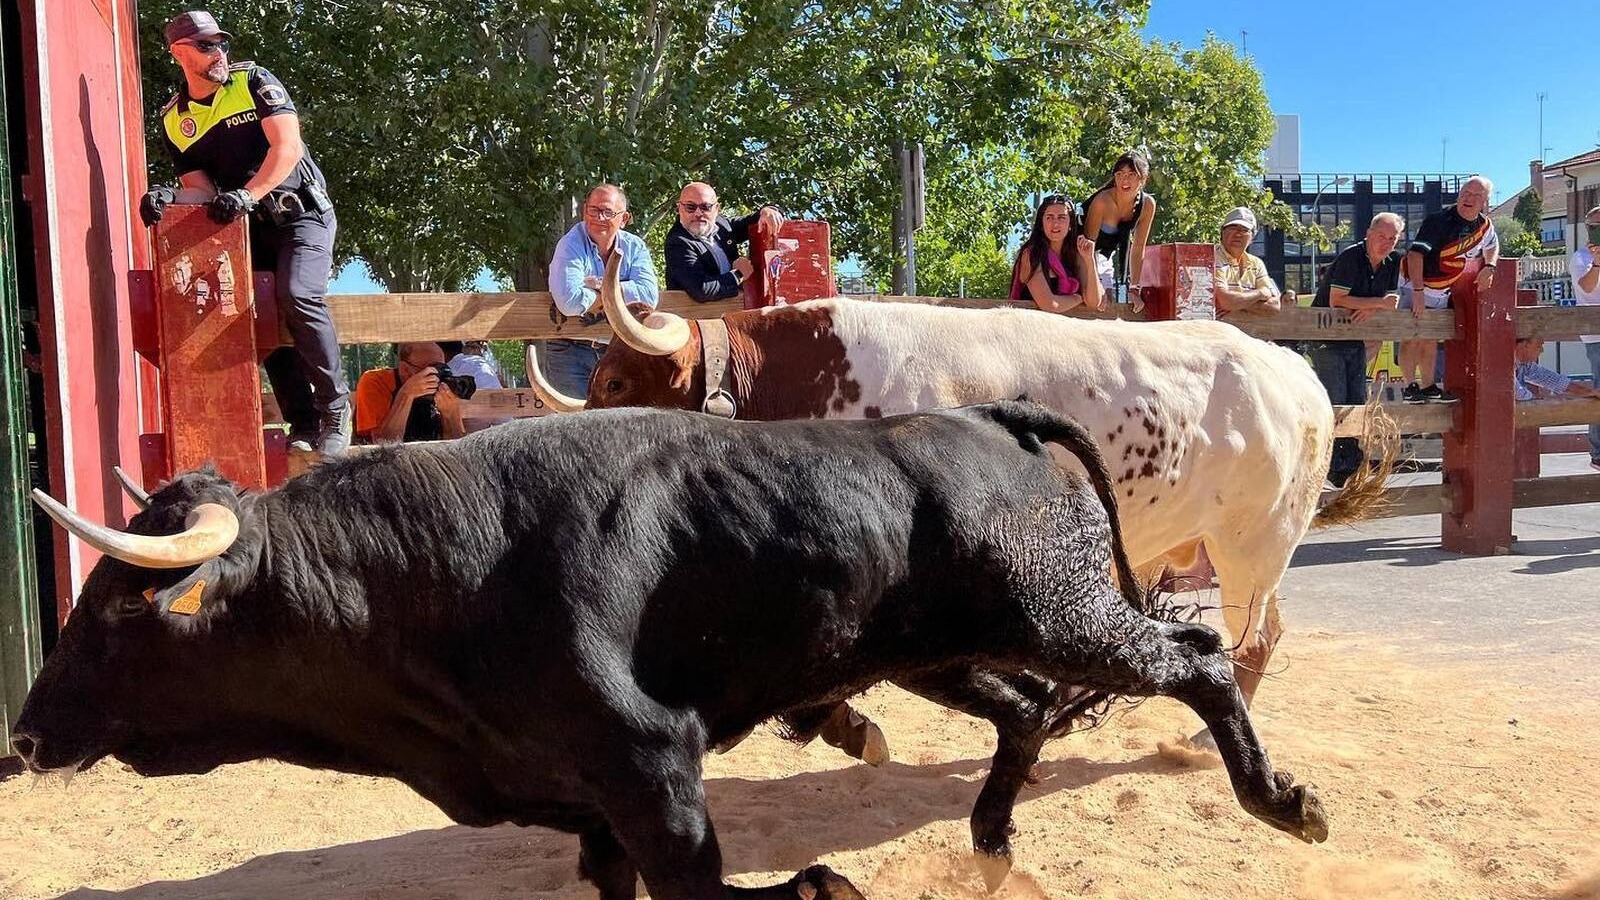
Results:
<point x="549" y="623"/>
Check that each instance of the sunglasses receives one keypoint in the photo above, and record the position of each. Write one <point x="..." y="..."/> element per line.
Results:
<point x="209" y="47"/>
<point x="697" y="207"/>
<point x="601" y="214"/>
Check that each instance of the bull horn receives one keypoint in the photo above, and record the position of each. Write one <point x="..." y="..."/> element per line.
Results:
<point x="208" y="532"/>
<point x="660" y="334"/>
<point x="134" y="491"/>
<point x="544" y="390"/>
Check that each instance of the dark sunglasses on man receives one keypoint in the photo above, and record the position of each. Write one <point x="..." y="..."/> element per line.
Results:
<point x="209" y="47"/>
<point x="697" y="207"/>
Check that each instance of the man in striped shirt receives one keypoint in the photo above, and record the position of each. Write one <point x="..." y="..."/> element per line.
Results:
<point x="1530" y="379"/>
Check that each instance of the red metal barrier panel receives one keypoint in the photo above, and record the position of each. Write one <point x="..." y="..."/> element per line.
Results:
<point x="210" y="382"/>
<point x="797" y="266"/>
<point x="1178" y="282"/>
<point x="1478" y="462"/>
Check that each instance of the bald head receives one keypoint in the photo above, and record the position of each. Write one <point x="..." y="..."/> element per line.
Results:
<point x="698" y="208"/>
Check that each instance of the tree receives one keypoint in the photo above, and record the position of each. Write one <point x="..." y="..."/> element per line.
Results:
<point x="1530" y="210"/>
<point x="1515" y="239"/>
<point x="462" y="133"/>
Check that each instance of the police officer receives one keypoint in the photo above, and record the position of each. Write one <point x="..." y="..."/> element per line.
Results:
<point x="234" y="137"/>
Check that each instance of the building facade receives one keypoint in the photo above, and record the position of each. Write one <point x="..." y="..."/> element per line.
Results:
<point x="1343" y="205"/>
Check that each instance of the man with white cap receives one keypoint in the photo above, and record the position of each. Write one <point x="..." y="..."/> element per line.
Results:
<point x="1241" y="282"/>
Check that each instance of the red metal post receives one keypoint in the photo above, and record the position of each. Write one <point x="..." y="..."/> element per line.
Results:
<point x="210" y="380"/>
<point x="1178" y="282"/>
<point x="799" y="267"/>
<point x="1477" y="465"/>
<point x="1178" y="278"/>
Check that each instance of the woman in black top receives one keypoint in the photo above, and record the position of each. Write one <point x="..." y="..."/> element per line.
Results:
<point x="1055" y="265"/>
<point x="1118" y="217"/>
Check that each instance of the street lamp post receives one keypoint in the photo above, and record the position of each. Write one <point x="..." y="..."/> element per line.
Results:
<point x="1314" y="221"/>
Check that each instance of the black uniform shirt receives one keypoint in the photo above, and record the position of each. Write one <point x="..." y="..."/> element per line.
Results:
<point x="223" y="137"/>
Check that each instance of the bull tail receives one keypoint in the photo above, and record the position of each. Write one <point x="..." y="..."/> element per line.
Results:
<point x="1364" y="495"/>
<point x="1024" y="418"/>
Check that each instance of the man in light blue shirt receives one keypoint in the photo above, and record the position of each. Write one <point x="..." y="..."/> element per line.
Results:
<point x="575" y="272"/>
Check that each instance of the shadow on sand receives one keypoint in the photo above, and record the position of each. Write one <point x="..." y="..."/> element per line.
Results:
<point x="779" y="825"/>
<point x="1544" y="557"/>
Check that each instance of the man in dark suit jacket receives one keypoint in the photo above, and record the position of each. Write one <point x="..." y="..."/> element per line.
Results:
<point x="703" y="247"/>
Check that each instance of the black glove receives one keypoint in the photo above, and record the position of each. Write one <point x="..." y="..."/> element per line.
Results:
<point x="154" y="204"/>
<point x="224" y="208"/>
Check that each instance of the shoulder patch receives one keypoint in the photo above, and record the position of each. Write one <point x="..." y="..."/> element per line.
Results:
<point x="274" y="95"/>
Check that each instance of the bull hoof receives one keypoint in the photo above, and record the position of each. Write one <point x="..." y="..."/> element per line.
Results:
<point x="874" y="747"/>
<point x="1299" y="813"/>
<point x="1313" y="818"/>
<point x="856" y="735"/>
<point x="994" y="867"/>
<point x="822" y="883"/>
<point x="1203" y="741"/>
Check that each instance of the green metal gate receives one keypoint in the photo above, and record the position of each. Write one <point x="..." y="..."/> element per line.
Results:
<point x="19" y="613"/>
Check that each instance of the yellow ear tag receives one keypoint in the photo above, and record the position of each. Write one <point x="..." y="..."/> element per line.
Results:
<point x="150" y="596"/>
<point x="189" y="603"/>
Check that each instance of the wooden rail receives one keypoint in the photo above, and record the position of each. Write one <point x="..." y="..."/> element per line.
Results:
<point x="528" y="315"/>
<point x="1552" y="322"/>
<point x="1475" y="501"/>
<point x="1526" y="493"/>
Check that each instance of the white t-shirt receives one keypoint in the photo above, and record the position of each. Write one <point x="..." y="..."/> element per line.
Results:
<point x="1582" y="262"/>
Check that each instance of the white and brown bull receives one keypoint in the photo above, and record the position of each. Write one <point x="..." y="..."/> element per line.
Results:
<point x="1211" y="435"/>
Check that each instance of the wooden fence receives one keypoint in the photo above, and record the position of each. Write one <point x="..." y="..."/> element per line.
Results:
<point x="1481" y="484"/>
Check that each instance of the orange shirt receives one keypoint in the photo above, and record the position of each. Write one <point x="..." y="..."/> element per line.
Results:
<point x="374" y="395"/>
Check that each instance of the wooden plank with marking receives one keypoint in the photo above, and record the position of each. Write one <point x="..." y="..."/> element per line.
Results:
<point x="210" y="384"/>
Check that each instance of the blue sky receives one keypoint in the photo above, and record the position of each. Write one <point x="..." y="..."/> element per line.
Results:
<point x="1377" y="85"/>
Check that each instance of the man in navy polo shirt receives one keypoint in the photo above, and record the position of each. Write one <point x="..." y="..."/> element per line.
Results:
<point x="1365" y="278"/>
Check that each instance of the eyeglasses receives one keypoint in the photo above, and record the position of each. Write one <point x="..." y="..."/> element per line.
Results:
<point x="698" y="207"/>
<point x="209" y="47"/>
<point x="601" y="214"/>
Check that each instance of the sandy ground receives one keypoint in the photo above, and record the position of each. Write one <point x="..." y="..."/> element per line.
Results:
<point x="1441" y="782"/>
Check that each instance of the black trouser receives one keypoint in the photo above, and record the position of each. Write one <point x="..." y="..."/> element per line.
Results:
<point x="1341" y="366"/>
<point x="307" y="378"/>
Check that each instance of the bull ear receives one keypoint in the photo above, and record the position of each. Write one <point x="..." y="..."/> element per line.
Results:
<point x="188" y="596"/>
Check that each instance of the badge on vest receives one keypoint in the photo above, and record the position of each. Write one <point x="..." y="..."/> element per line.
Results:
<point x="187" y="126"/>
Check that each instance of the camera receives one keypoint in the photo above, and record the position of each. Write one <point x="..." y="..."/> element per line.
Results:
<point x="463" y="386"/>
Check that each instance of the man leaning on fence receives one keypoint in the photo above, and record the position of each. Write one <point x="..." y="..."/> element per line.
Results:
<point x="702" y="247"/>
<point x="1585" y="270"/>
<point x="575" y="272"/>
<point x="1363" y="278"/>
<point x="1434" y="265"/>
<point x="1242" y="284"/>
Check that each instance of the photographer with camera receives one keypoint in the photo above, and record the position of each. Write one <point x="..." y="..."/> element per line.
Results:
<point x="417" y="400"/>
